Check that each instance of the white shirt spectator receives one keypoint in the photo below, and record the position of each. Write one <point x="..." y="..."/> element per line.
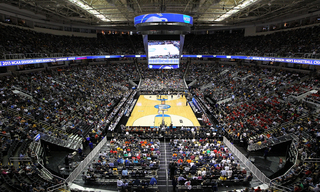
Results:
<point x="229" y="173"/>
<point x="119" y="183"/>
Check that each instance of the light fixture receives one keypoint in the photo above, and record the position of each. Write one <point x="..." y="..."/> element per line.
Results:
<point x="89" y="9"/>
<point x="236" y="9"/>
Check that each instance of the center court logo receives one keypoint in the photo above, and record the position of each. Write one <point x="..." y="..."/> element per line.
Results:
<point x="156" y="19"/>
<point x="186" y="18"/>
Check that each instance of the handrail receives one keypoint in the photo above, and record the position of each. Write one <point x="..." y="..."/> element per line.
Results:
<point x="83" y="164"/>
<point x="269" y="142"/>
<point x="312" y="160"/>
<point x="20" y="159"/>
<point x="185" y="83"/>
<point x="52" y="175"/>
<point x="62" y="142"/>
<point x="37" y="148"/>
<point x="280" y="187"/>
<point x="126" y="105"/>
<point x="5" y="135"/>
<point x="253" y="169"/>
<point x="185" y="73"/>
<point x="139" y="83"/>
<point x="205" y="104"/>
<point x="136" y="64"/>
<point x="112" y="116"/>
<point x="55" y="187"/>
<point x="131" y="107"/>
<point x="272" y="183"/>
<point x="307" y="135"/>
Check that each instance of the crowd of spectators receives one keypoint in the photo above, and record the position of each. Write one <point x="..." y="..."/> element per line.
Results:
<point x="82" y="100"/>
<point x="16" y="135"/>
<point x="204" y="162"/>
<point x="71" y="97"/>
<point x="289" y="43"/>
<point x="264" y="108"/>
<point x="137" y="41"/>
<point x="305" y="129"/>
<point x="16" y="177"/>
<point x="191" y="132"/>
<point x="314" y="97"/>
<point x="173" y="132"/>
<point x="203" y="73"/>
<point x="303" y="176"/>
<point x="75" y="100"/>
<point x="28" y="42"/>
<point x="133" y="161"/>
<point x="248" y="101"/>
<point x="155" y="79"/>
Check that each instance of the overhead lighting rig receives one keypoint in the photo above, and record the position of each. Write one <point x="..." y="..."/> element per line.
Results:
<point x="89" y="9"/>
<point x="236" y="9"/>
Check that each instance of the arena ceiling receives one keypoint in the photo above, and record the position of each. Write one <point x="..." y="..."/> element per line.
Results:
<point x="206" y="13"/>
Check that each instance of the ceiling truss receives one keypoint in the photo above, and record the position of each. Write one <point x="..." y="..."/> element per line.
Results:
<point x="204" y="12"/>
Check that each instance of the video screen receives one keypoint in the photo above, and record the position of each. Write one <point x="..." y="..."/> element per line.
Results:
<point x="163" y="52"/>
<point x="164" y="66"/>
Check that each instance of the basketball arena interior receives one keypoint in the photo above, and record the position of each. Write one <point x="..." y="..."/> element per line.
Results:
<point x="159" y="95"/>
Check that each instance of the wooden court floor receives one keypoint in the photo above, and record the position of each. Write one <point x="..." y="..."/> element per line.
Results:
<point x="146" y="113"/>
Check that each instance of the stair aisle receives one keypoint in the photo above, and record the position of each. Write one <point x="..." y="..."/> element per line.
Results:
<point x="99" y="180"/>
<point x="164" y="182"/>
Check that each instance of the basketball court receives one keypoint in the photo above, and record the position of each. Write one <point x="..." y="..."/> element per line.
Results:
<point x="150" y="110"/>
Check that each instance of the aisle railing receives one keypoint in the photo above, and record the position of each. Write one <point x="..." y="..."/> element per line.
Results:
<point x="72" y="141"/>
<point x="269" y="142"/>
<point x="83" y="164"/>
<point x="312" y="160"/>
<point x="253" y="169"/>
<point x="294" y="149"/>
<point x="86" y="161"/>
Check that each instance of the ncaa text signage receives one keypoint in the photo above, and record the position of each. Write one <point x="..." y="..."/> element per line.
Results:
<point x="49" y="60"/>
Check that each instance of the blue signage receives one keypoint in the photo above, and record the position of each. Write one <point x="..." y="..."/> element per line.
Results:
<point x="256" y="58"/>
<point x="163" y="66"/>
<point x="37" y="137"/>
<point x="52" y="60"/>
<point x="163" y="17"/>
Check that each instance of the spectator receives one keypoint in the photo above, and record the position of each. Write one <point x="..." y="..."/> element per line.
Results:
<point x="181" y="178"/>
<point x="91" y="146"/>
<point x="124" y="172"/>
<point x="120" y="182"/>
<point x="153" y="181"/>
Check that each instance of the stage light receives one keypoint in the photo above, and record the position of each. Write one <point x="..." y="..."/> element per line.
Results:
<point x="89" y="9"/>
<point x="236" y="9"/>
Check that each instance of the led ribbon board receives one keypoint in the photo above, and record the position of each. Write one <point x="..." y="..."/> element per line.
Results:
<point x="255" y="58"/>
<point x="163" y="17"/>
<point x="52" y="60"/>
